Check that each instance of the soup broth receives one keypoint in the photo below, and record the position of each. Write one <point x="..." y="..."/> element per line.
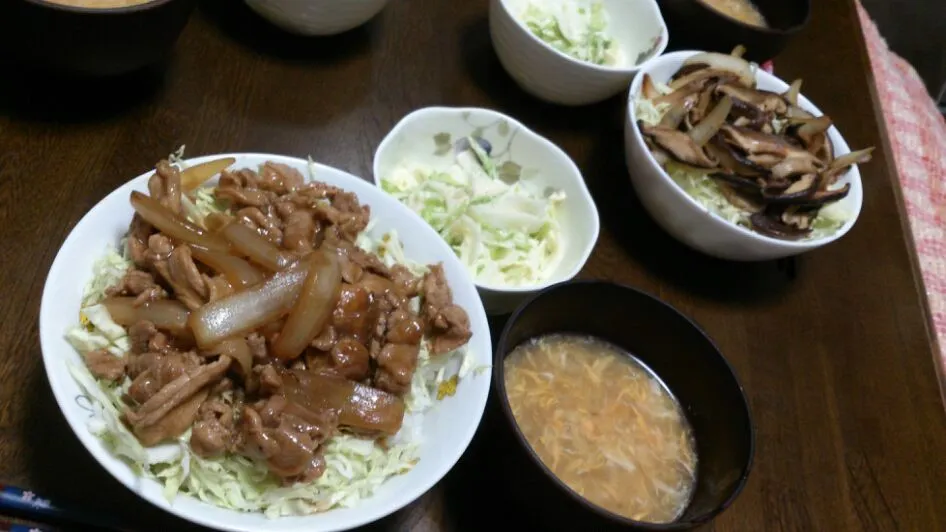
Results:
<point x="99" y="4"/>
<point x="742" y="10"/>
<point x="604" y="425"/>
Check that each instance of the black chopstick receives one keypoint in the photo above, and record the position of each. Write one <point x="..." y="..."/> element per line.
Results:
<point x="25" y="504"/>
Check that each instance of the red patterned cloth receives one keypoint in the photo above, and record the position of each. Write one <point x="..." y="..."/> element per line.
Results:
<point x="918" y="137"/>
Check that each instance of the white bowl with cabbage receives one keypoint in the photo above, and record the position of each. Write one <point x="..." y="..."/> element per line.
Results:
<point x="697" y="207"/>
<point x="576" y="52"/>
<point x="511" y="204"/>
<point x="361" y="479"/>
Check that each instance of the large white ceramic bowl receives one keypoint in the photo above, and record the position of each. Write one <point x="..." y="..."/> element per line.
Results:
<point x="447" y="429"/>
<point x="546" y="73"/>
<point x="413" y="139"/>
<point x="317" y="17"/>
<point x="687" y="219"/>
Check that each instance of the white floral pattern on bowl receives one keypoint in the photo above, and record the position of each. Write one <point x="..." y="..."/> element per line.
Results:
<point x="428" y="136"/>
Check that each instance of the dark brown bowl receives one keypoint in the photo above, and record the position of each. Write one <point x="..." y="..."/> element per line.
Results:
<point x="677" y="351"/>
<point x="694" y="25"/>
<point x="95" y="42"/>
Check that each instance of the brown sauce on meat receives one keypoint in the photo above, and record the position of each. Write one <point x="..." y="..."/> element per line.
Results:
<point x="239" y="394"/>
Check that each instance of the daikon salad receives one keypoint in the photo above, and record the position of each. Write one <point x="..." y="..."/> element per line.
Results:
<point x="502" y="226"/>
<point x="574" y="27"/>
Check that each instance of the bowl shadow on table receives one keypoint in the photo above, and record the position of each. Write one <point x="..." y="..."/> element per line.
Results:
<point x="35" y="95"/>
<point x="64" y="472"/>
<point x="623" y="218"/>
<point x="239" y="23"/>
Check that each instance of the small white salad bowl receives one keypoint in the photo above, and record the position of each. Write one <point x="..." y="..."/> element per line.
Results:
<point x="548" y="74"/>
<point x="687" y="219"/>
<point x="317" y="17"/>
<point x="415" y="139"/>
<point x="446" y="429"/>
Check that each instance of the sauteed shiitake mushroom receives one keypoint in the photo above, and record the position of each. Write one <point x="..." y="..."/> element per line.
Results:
<point x="768" y="156"/>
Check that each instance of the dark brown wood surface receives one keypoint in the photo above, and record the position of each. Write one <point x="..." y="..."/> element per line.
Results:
<point x="832" y="348"/>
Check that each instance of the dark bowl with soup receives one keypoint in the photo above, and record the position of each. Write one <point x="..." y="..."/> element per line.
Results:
<point x="613" y="411"/>
<point x="92" y="37"/>
<point x="764" y="27"/>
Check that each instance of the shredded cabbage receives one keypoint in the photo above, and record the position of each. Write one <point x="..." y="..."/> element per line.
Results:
<point x="575" y="27"/>
<point x="355" y="467"/>
<point x="704" y="189"/>
<point x="502" y="226"/>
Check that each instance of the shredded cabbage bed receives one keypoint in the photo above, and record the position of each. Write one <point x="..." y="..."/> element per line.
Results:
<point x="505" y="233"/>
<point x="355" y="467"/>
<point x="705" y="190"/>
<point x="574" y="27"/>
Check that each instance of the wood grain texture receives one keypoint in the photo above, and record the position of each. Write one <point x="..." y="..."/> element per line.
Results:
<point x="832" y="348"/>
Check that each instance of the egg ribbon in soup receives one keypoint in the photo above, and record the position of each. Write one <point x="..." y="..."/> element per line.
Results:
<point x="99" y="4"/>
<point x="604" y="425"/>
<point x="742" y="10"/>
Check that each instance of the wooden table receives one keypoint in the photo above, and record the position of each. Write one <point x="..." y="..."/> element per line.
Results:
<point x="833" y="348"/>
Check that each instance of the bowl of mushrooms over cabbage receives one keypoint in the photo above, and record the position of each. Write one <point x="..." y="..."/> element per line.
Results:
<point x="735" y="162"/>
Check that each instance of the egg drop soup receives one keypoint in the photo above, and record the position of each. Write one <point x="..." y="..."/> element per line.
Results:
<point x="604" y="425"/>
<point x="742" y="10"/>
<point x="99" y="4"/>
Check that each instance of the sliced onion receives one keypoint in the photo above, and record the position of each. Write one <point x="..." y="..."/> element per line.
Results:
<point x="691" y="78"/>
<point x="239" y="272"/>
<point x="250" y="309"/>
<point x="738" y="51"/>
<point x="797" y="112"/>
<point x="173" y="225"/>
<point x="359" y="406"/>
<point x="709" y="126"/>
<point x="165" y="314"/>
<point x="238" y="350"/>
<point x="216" y="221"/>
<point x="675" y="115"/>
<point x="197" y="175"/>
<point x="313" y="306"/>
<point x="249" y="243"/>
<point x="648" y="89"/>
<point x="855" y="157"/>
<point x="813" y="132"/>
<point x="791" y="95"/>
<point x="729" y="63"/>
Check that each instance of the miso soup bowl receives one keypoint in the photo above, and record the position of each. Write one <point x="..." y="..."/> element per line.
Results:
<point x="677" y="351"/>
<point x="91" y="41"/>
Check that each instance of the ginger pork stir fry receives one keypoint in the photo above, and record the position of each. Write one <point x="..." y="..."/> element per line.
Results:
<point x="768" y="157"/>
<point x="266" y="330"/>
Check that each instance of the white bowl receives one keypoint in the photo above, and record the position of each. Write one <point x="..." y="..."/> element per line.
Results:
<point x="447" y="429"/>
<point x="413" y="139"/>
<point x="687" y="219"/>
<point x="546" y="73"/>
<point x="317" y="17"/>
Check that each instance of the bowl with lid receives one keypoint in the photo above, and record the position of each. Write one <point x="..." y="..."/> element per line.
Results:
<point x="679" y="361"/>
